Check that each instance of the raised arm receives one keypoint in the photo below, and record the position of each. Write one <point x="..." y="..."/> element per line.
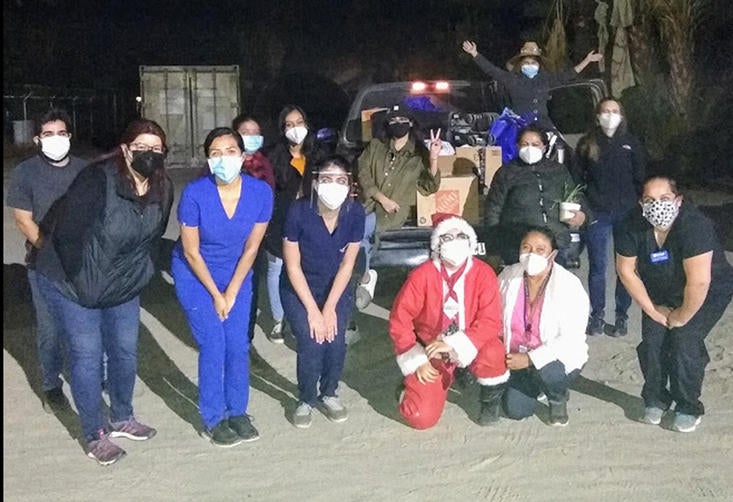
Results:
<point x="591" y="57"/>
<point x="486" y="66"/>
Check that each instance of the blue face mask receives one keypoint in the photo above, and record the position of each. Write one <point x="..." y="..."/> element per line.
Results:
<point x="530" y="70"/>
<point x="226" y="167"/>
<point x="252" y="142"/>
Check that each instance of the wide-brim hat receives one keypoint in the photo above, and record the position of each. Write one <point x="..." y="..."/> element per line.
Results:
<point x="529" y="49"/>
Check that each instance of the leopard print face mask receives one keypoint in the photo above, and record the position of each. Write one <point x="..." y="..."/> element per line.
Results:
<point x="660" y="213"/>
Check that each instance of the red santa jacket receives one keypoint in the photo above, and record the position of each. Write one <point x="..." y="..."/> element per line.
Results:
<point x="417" y="313"/>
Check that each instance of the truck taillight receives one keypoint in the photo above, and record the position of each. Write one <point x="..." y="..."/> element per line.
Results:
<point x="418" y="87"/>
<point x="442" y="86"/>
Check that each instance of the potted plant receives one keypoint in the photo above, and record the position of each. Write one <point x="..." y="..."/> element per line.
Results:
<point x="570" y="201"/>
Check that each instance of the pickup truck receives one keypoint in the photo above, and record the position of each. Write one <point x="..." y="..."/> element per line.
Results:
<point x="464" y="111"/>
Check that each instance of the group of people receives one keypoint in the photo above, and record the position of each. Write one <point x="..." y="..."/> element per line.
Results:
<point x="93" y="231"/>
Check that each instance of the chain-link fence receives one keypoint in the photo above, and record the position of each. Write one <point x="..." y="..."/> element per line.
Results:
<point x="98" y="116"/>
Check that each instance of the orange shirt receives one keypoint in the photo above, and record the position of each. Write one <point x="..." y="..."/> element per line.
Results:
<point x="299" y="164"/>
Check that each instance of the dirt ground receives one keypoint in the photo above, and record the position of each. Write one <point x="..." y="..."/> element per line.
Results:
<point x="603" y="454"/>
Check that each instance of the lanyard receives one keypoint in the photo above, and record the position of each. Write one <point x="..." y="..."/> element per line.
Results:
<point x="532" y="306"/>
<point x="541" y="188"/>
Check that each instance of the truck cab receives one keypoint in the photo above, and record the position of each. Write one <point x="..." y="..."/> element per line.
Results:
<point x="464" y="111"/>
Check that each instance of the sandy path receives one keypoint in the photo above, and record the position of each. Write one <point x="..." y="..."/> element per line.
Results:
<point x="602" y="455"/>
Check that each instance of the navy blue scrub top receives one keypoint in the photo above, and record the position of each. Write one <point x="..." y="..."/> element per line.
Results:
<point x="321" y="252"/>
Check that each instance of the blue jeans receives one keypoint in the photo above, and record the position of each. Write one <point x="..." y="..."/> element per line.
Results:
<point x="370" y="227"/>
<point x="49" y="337"/>
<point x="223" y="365"/>
<point x="319" y="366"/>
<point x="88" y="333"/>
<point x="274" y="269"/>
<point x="597" y="238"/>
<point x="520" y="398"/>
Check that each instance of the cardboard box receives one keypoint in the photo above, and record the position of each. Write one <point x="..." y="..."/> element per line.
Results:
<point x="493" y="162"/>
<point x="456" y="195"/>
<point x="467" y="158"/>
<point x="366" y="123"/>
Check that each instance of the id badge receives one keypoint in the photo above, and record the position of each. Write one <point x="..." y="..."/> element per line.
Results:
<point x="659" y="256"/>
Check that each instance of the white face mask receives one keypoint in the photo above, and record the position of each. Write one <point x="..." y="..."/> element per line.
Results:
<point x="55" y="147"/>
<point x="533" y="263"/>
<point x="609" y="122"/>
<point x="530" y="154"/>
<point x="455" y="252"/>
<point x="226" y="167"/>
<point x="332" y="194"/>
<point x="296" y="134"/>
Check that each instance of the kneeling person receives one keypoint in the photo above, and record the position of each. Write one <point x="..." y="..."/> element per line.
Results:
<point x="545" y="314"/>
<point x="448" y="315"/>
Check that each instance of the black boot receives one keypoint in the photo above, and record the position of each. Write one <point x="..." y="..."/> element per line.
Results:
<point x="490" y="398"/>
<point x="558" y="413"/>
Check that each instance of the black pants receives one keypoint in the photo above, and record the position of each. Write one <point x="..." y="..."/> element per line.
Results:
<point x="673" y="360"/>
<point x="520" y="398"/>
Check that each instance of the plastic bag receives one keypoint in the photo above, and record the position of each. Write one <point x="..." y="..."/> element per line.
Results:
<point x="505" y="129"/>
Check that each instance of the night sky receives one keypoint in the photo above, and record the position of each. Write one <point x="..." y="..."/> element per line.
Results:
<point x="100" y="44"/>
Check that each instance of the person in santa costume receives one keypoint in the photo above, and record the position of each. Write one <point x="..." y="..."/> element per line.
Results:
<point x="447" y="315"/>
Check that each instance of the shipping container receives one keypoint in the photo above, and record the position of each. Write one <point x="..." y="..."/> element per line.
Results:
<point x="188" y="102"/>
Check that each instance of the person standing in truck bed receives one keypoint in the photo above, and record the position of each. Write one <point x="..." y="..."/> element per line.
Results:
<point x="527" y="80"/>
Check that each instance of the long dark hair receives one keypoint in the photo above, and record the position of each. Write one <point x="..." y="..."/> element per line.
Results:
<point x="309" y="139"/>
<point x="159" y="180"/>
<point x="588" y="144"/>
<point x="343" y="164"/>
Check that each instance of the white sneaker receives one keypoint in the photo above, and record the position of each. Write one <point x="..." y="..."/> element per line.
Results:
<point x="302" y="417"/>
<point x="365" y="291"/>
<point x="333" y="409"/>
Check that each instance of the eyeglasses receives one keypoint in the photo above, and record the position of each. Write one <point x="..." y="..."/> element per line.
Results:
<point x="142" y="147"/>
<point x="48" y="134"/>
<point x="450" y="237"/>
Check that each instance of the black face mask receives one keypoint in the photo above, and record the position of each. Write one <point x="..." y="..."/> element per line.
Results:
<point x="147" y="162"/>
<point x="398" y="129"/>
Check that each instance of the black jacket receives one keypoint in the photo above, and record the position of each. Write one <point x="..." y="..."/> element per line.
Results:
<point x="289" y="185"/>
<point x="613" y="182"/>
<point x="103" y="240"/>
<point x="514" y="197"/>
<point x="528" y="95"/>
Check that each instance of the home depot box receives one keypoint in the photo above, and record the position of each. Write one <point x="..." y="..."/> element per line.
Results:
<point x="467" y="158"/>
<point x="456" y="195"/>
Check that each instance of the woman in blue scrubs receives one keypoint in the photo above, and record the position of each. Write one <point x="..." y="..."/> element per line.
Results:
<point x="321" y="239"/>
<point x="223" y="218"/>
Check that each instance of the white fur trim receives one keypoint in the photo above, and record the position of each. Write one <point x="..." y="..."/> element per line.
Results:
<point x="449" y="223"/>
<point x="494" y="380"/>
<point x="464" y="349"/>
<point x="411" y="360"/>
